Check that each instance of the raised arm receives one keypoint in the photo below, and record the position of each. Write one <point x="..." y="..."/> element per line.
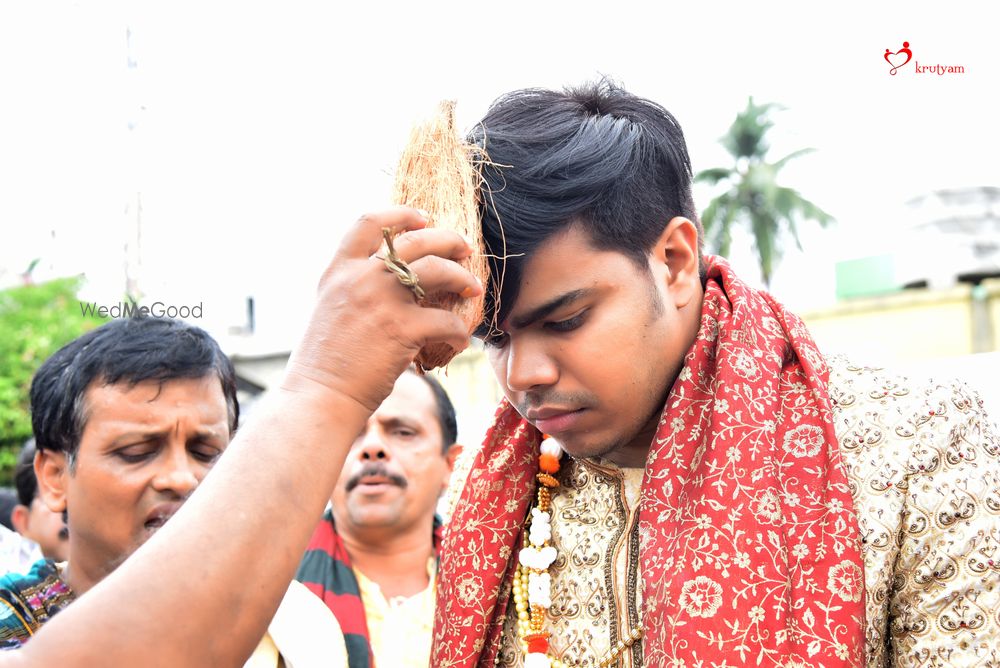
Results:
<point x="203" y="589"/>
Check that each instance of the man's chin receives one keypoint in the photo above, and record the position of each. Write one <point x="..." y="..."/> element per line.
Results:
<point x="374" y="518"/>
<point x="620" y="454"/>
<point x="144" y="535"/>
<point x="582" y="449"/>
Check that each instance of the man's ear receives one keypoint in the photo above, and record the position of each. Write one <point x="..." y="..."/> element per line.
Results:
<point x="19" y="518"/>
<point x="454" y="452"/>
<point x="450" y="457"/>
<point x="677" y="251"/>
<point x="52" y="471"/>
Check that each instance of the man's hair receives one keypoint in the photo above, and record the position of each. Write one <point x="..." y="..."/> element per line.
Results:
<point x="130" y="351"/>
<point x="445" y="410"/>
<point x="24" y="474"/>
<point x="595" y="156"/>
<point x="8" y="501"/>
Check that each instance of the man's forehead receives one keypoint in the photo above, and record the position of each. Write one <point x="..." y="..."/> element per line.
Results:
<point x="411" y="397"/>
<point x="125" y="400"/>
<point x="566" y="264"/>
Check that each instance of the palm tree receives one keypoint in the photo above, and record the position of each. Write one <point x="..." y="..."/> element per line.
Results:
<point x="754" y="197"/>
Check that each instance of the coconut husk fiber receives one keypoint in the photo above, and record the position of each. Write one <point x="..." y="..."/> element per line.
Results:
<point x="438" y="173"/>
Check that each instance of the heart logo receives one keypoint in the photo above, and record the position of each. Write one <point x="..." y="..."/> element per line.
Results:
<point x="892" y="57"/>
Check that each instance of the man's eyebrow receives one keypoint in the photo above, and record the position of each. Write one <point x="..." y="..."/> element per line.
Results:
<point x="399" y="421"/>
<point x="141" y="435"/>
<point x="137" y="435"/>
<point x="548" y="307"/>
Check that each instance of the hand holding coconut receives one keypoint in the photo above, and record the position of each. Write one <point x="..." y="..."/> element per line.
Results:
<point x="366" y="326"/>
<point x="365" y="329"/>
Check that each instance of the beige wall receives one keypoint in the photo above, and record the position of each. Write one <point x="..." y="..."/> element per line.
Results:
<point x="912" y="325"/>
<point x="992" y="289"/>
<point x="905" y="326"/>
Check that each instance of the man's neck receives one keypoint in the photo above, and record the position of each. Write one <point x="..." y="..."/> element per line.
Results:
<point x="633" y="454"/>
<point x="397" y="563"/>
<point x="81" y="576"/>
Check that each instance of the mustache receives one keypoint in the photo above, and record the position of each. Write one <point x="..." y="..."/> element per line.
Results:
<point x="375" y="469"/>
<point x="538" y="398"/>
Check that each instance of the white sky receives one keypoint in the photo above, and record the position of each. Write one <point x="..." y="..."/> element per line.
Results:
<point x="261" y="131"/>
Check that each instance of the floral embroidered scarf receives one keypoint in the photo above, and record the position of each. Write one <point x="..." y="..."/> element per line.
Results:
<point x="750" y="549"/>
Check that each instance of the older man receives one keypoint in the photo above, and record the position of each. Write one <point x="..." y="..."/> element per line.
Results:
<point x="373" y="558"/>
<point x="128" y="420"/>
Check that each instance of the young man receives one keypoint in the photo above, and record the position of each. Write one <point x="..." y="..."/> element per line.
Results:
<point x="373" y="558"/>
<point x="128" y="419"/>
<point x="731" y="497"/>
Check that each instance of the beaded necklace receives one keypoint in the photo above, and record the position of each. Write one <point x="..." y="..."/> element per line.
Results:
<point x="532" y="580"/>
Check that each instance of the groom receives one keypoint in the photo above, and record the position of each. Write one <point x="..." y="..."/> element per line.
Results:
<point x="731" y="496"/>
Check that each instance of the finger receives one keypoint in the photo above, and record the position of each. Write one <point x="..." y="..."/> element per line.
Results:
<point x="432" y="241"/>
<point x="438" y="275"/>
<point x="433" y="325"/>
<point x="365" y="236"/>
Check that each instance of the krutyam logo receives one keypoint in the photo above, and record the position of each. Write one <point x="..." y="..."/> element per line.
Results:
<point x="905" y="51"/>
<point x="898" y="59"/>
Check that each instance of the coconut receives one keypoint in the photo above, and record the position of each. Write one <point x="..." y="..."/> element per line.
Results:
<point x="438" y="173"/>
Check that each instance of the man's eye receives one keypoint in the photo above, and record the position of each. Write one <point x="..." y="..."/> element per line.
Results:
<point x="496" y="339"/>
<point x="567" y="325"/>
<point x="206" y="453"/>
<point x="405" y="433"/>
<point x="136" y="453"/>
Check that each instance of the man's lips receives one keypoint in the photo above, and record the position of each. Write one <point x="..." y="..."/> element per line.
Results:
<point x="375" y="485"/>
<point x="375" y="480"/>
<point x="160" y="514"/>
<point x="555" y="420"/>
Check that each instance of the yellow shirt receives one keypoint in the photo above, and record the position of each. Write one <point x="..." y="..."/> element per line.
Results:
<point x="400" y="629"/>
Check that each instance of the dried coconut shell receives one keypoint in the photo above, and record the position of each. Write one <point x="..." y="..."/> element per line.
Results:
<point x="438" y="173"/>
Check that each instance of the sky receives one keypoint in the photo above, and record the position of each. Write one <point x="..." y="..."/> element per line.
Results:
<point x="253" y="134"/>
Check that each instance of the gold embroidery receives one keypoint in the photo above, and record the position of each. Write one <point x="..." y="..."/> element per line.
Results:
<point x="595" y="590"/>
<point x="923" y="467"/>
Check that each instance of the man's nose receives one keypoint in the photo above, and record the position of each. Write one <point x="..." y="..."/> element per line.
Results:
<point x="373" y="447"/>
<point x="529" y="366"/>
<point x="177" y="473"/>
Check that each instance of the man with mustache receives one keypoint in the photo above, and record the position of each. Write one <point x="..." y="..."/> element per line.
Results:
<point x="128" y="420"/>
<point x="373" y="558"/>
<point x="731" y="496"/>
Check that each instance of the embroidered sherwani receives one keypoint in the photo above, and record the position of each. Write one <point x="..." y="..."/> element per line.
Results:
<point x="923" y="463"/>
